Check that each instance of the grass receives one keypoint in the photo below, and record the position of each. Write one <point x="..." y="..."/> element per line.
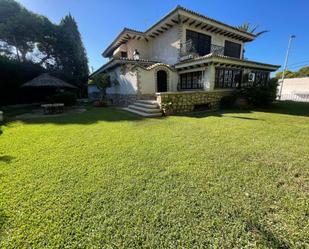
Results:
<point x="109" y="179"/>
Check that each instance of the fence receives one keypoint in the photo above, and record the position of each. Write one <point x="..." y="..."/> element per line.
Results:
<point x="299" y="97"/>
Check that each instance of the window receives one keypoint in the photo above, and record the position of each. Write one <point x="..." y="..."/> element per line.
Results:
<point x="228" y="78"/>
<point x="261" y="77"/>
<point x="232" y="49"/>
<point x="201" y="43"/>
<point x="124" y="54"/>
<point x="192" y="80"/>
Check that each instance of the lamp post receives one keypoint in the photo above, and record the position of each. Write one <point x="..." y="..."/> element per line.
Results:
<point x="286" y="64"/>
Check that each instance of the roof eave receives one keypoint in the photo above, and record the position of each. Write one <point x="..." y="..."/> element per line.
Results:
<point x="234" y="61"/>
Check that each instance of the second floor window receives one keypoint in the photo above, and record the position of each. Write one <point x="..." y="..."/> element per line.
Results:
<point x="232" y="49"/>
<point x="200" y="42"/>
<point x="124" y="55"/>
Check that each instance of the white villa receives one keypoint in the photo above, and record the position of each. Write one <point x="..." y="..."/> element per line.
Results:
<point x="187" y="58"/>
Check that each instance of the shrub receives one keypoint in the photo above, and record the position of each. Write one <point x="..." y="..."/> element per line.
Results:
<point x="261" y="95"/>
<point x="167" y="106"/>
<point x="228" y="101"/>
<point x="67" y="98"/>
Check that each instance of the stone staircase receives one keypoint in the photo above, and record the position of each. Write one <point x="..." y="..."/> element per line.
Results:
<point x="145" y="108"/>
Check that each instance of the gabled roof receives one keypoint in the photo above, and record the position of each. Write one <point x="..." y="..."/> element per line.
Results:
<point x="179" y="15"/>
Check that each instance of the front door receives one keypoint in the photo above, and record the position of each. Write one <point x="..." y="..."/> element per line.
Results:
<point x="161" y="81"/>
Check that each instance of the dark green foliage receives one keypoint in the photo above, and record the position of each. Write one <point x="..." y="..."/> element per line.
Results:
<point x="28" y="37"/>
<point x="303" y="72"/>
<point x="72" y="54"/>
<point x="261" y="95"/>
<point x="12" y="75"/>
<point x="67" y="98"/>
<point x="228" y="101"/>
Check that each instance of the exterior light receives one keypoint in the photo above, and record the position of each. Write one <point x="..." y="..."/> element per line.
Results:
<point x="136" y="55"/>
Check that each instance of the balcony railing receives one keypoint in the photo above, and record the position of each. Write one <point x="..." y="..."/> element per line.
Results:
<point x="188" y="50"/>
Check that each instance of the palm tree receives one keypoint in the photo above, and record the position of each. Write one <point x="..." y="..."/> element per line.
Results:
<point x="247" y="27"/>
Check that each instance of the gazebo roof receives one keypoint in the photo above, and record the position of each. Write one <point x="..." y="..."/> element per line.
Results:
<point x="46" y="80"/>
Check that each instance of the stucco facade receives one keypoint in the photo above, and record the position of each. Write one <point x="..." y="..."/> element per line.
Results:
<point x="158" y="60"/>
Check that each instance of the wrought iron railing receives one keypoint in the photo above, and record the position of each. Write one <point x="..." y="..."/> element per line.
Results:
<point x="217" y="50"/>
<point x="188" y="49"/>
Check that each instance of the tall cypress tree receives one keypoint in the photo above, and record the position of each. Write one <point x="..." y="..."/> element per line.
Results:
<point x="72" y="54"/>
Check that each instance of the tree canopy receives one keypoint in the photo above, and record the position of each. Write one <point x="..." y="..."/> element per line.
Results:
<point x="247" y="27"/>
<point x="29" y="37"/>
<point x="303" y="72"/>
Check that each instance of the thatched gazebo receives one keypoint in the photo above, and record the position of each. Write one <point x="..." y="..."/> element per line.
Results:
<point x="46" y="80"/>
<point x="44" y="86"/>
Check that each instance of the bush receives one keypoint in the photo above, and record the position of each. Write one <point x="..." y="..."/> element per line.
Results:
<point x="67" y="98"/>
<point x="261" y="95"/>
<point x="228" y="101"/>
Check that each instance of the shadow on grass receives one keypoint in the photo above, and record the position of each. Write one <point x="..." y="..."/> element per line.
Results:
<point x="269" y="238"/>
<point x="283" y="107"/>
<point x="6" y="159"/>
<point x="93" y="115"/>
<point x="3" y="220"/>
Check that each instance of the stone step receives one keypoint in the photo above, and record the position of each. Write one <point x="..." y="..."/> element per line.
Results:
<point x="149" y="115"/>
<point x="148" y="102"/>
<point x="151" y="106"/>
<point x="143" y="109"/>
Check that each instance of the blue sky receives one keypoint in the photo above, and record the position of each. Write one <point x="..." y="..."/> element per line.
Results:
<point x="101" y="20"/>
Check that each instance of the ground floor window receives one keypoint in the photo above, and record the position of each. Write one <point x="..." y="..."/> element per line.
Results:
<point x="192" y="80"/>
<point x="261" y="77"/>
<point x="228" y="78"/>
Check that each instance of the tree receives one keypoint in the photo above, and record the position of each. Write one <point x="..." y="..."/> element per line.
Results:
<point x="288" y="74"/>
<point x="25" y="35"/>
<point x="303" y="72"/>
<point x="71" y="54"/>
<point x="247" y="27"/>
<point x="104" y="81"/>
<point x="17" y="28"/>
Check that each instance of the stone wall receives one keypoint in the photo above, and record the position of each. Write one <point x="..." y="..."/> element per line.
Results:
<point x="188" y="101"/>
<point x="121" y="99"/>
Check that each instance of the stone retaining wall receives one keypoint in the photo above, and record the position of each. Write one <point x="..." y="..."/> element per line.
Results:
<point x="121" y="99"/>
<point x="187" y="101"/>
<point x="127" y="99"/>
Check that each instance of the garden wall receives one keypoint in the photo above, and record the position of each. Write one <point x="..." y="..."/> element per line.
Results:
<point x="193" y="100"/>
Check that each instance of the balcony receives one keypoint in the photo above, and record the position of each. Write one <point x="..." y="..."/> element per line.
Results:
<point x="188" y="50"/>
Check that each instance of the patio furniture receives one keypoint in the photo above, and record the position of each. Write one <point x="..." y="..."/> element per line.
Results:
<point x="53" y="108"/>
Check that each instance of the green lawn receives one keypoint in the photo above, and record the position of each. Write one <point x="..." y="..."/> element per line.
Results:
<point x="109" y="179"/>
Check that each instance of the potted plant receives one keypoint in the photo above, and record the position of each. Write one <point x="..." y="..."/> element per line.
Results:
<point x="167" y="106"/>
